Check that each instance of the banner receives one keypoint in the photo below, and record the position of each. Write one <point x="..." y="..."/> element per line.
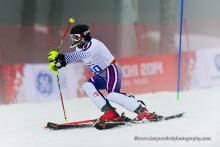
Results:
<point x="11" y="79"/>
<point x="35" y="83"/>
<point x="150" y="73"/>
<point x="207" y="69"/>
<point x="40" y="84"/>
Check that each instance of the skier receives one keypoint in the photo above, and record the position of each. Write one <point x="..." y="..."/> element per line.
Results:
<point x="107" y="76"/>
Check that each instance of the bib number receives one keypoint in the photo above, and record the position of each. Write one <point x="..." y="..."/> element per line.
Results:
<point x="95" y="69"/>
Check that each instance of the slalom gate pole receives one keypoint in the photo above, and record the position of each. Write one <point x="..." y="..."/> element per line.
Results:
<point x="180" y="47"/>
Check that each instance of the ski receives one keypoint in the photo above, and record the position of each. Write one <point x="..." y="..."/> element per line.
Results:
<point x="103" y="125"/>
<point x="54" y="126"/>
<point x="71" y="125"/>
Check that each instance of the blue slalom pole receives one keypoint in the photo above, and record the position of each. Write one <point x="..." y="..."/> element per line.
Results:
<point x="180" y="47"/>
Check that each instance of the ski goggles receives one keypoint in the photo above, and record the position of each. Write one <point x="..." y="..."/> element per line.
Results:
<point x="78" y="37"/>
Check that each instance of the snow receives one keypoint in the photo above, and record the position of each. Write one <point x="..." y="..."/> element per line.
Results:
<point x="22" y="125"/>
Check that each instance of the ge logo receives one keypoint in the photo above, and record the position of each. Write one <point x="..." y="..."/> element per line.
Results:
<point x="217" y="61"/>
<point x="44" y="83"/>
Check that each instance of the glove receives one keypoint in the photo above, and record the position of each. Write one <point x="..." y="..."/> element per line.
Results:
<point x="56" y="61"/>
<point x="53" y="67"/>
<point x="52" y="56"/>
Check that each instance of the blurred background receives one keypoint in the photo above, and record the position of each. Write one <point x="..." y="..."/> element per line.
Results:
<point x="148" y="29"/>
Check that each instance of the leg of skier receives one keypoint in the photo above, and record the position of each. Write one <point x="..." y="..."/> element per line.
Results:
<point x="113" y="81"/>
<point x="92" y="88"/>
<point x="110" y="80"/>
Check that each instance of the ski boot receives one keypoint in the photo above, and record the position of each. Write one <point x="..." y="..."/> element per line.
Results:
<point x="143" y="113"/>
<point x="110" y="115"/>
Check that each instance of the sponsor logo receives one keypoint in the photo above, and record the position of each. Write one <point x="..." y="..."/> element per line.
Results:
<point x="143" y="69"/>
<point x="95" y="94"/>
<point x="217" y="61"/>
<point x="44" y="83"/>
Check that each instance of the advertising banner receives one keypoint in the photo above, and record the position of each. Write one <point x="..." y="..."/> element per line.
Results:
<point x="149" y="73"/>
<point x="40" y="84"/>
<point x="36" y="83"/>
<point x="207" y="69"/>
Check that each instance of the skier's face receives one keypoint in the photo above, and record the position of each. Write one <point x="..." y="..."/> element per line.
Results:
<point x="76" y="39"/>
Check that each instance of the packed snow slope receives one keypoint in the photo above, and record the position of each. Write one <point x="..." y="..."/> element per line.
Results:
<point x="22" y="125"/>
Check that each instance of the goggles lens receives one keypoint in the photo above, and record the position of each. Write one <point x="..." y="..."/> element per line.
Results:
<point x="75" y="37"/>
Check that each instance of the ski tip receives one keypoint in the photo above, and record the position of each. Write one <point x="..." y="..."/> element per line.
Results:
<point x="46" y="126"/>
<point x="52" y="126"/>
<point x="182" y="113"/>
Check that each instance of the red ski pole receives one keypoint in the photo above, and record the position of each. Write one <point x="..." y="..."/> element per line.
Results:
<point x="71" y="20"/>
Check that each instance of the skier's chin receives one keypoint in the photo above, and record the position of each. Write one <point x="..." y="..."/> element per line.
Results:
<point x="73" y="45"/>
<point x="79" y="45"/>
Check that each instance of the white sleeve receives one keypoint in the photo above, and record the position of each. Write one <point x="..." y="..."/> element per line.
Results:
<point x="75" y="56"/>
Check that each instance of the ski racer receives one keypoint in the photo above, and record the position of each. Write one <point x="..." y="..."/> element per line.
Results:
<point x="107" y="76"/>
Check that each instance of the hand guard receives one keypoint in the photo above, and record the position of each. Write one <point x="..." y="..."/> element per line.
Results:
<point x="56" y="61"/>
